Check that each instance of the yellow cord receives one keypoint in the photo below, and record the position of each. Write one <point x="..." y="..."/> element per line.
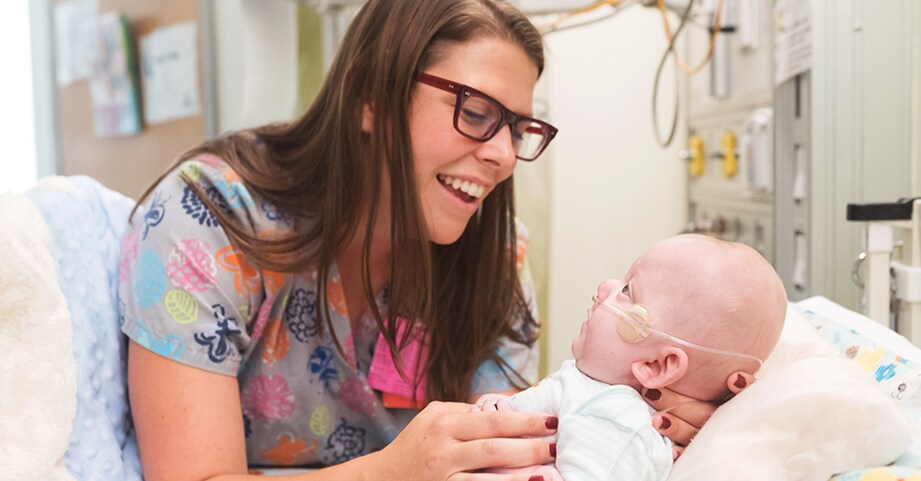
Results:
<point x="588" y="8"/>
<point x="668" y="37"/>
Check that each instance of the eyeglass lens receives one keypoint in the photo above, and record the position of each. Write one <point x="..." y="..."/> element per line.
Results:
<point x="481" y="118"/>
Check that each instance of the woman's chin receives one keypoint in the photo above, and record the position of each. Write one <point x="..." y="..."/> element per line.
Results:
<point x="446" y="234"/>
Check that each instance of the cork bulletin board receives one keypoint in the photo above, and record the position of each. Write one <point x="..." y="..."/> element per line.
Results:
<point x="129" y="164"/>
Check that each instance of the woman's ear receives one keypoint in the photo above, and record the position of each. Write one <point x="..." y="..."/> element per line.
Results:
<point x="367" y="119"/>
<point x="670" y="365"/>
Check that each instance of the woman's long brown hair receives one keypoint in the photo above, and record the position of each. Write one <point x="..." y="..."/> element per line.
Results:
<point x="327" y="173"/>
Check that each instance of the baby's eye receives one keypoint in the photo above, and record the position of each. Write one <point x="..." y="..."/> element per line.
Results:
<point x="626" y="290"/>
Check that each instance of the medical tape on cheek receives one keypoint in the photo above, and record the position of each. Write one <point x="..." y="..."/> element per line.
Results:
<point x="633" y="326"/>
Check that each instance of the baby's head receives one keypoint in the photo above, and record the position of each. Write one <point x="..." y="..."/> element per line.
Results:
<point x="715" y="294"/>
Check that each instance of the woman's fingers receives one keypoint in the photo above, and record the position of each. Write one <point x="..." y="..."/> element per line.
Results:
<point x="496" y="477"/>
<point x="499" y="439"/>
<point x="446" y="439"/>
<point x="468" y="426"/>
<point x="689" y="410"/>
<point x="679" y="417"/>
<point x="673" y="428"/>
<point x="505" y="452"/>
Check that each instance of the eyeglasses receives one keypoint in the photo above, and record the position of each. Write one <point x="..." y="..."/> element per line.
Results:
<point x="634" y="326"/>
<point x="480" y="117"/>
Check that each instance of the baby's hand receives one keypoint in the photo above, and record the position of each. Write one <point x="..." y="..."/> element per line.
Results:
<point x="493" y="402"/>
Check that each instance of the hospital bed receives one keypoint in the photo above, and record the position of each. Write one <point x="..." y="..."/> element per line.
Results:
<point x="893" y="271"/>
<point x="64" y="412"/>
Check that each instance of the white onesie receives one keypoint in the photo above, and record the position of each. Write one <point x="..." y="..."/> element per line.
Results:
<point x="605" y="431"/>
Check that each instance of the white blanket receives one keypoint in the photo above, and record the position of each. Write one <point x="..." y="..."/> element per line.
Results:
<point x="38" y="373"/>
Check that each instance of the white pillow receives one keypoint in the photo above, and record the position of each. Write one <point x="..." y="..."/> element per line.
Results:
<point x="39" y="397"/>
<point x="811" y="414"/>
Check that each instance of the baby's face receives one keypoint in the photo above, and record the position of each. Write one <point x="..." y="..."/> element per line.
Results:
<point x="691" y="288"/>
<point x="599" y="350"/>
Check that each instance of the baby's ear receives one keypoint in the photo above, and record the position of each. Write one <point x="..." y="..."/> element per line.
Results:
<point x="670" y="366"/>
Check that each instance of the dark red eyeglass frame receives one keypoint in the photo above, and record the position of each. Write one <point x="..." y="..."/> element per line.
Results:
<point x="508" y="117"/>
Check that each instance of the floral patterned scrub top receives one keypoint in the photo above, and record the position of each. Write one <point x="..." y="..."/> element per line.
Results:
<point x="186" y="293"/>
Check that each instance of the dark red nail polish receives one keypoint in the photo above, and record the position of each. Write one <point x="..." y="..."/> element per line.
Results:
<point x="653" y="394"/>
<point x="551" y="422"/>
<point x="536" y="478"/>
<point x="553" y="449"/>
<point x="740" y="382"/>
<point x="666" y="423"/>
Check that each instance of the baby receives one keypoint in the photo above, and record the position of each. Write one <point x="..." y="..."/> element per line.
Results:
<point x="693" y="314"/>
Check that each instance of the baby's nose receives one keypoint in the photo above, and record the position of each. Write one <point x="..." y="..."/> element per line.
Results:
<point x="606" y="287"/>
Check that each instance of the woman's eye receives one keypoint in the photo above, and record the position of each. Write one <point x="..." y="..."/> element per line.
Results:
<point x="473" y="117"/>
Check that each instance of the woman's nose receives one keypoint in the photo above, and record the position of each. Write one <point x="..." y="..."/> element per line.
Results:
<point x="499" y="150"/>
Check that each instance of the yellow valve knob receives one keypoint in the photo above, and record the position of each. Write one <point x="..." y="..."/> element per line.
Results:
<point x="730" y="162"/>
<point x="696" y="166"/>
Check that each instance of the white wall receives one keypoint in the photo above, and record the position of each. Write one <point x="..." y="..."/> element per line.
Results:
<point x="18" y="166"/>
<point x="916" y="112"/>
<point x="256" y="57"/>
<point x="612" y="191"/>
<point x="46" y="152"/>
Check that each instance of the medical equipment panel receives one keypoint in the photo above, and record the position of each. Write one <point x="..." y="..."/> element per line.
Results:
<point x="730" y="126"/>
<point x="845" y="127"/>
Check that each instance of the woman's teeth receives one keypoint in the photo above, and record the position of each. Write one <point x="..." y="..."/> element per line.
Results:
<point x="473" y="190"/>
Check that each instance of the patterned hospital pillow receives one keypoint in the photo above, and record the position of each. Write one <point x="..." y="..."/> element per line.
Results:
<point x="890" y="359"/>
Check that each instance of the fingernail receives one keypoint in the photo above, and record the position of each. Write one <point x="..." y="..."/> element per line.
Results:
<point x="536" y="478"/>
<point x="665" y="424"/>
<point x="653" y="394"/>
<point x="740" y="382"/>
<point x="553" y="449"/>
<point x="551" y="422"/>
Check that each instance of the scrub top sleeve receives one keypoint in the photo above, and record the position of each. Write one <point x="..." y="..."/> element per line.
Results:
<point x="185" y="292"/>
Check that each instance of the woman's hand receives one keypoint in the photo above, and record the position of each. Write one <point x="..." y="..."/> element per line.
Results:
<point x="682" y="422"/>
<point x="448" y="442"/>
<point x="685" y="416"/>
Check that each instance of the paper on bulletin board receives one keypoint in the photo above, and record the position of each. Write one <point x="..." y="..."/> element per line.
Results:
<point x="75" y="34"/>
<point x="169" y="58"/>
<point x="113" y="85"/>
<point x="792" y="39"/>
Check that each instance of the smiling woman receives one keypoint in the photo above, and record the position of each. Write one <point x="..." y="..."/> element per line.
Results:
<point x="272" y="268"/>
<point x="17" y="118"/>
